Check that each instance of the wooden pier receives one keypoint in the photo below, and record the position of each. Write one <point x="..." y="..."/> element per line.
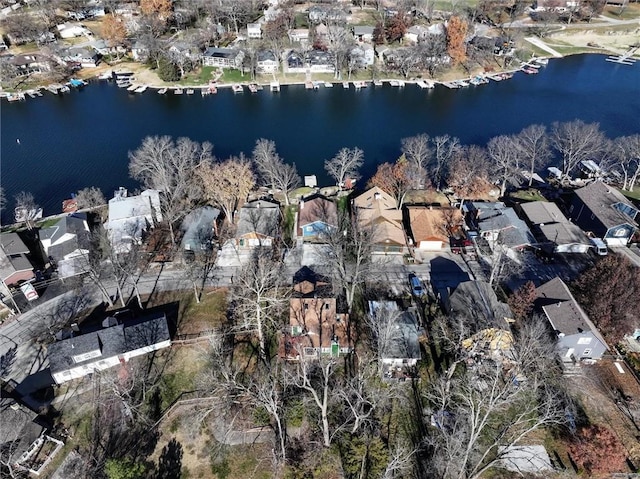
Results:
<point x="625" y="58"/>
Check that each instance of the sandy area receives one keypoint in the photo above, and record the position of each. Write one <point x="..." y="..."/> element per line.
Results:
<point x="615" y="41"/>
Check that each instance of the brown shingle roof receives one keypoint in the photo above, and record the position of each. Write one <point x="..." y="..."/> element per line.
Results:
<point x="431" y="223"/>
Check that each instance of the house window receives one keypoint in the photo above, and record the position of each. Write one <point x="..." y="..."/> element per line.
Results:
<point x="620" y="233"/>
<point x="326" y="305"/>
<point x="306" y="306"/>
<point x="586" y="352"/>
<point x="593" y="216"/>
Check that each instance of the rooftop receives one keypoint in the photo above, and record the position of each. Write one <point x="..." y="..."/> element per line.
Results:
<point x="543" y="212"/>
<point x="607" y="203"/>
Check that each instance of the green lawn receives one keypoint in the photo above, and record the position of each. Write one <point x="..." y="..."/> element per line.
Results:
<point x="234" y="76"/>
<point x="633" y="194"/>
<point x="527" y="195"/>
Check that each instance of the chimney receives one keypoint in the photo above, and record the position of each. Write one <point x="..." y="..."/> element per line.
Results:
<point x="301" y="204"/>
<point x="377" y="196"/>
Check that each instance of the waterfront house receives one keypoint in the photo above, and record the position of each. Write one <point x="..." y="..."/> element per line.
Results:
<point x="430" y="227"/>
<point x="319" y="61"/>
<point x="200" y="227"/>
<point x="363" y="33"/>
<point x="377" y="211"/>
<point x="604" y="212"/>
<point x="315" y="328"/>
<point x="577" y="337"/>
<point x="85" y="57"/>
<point x="131" y="216"/>
<point x="30" y="64"/>
<point x="295" y="62"/>
<point x="66" y="244"/>
<point x="553" y="230"/>
<point x="84" y="354"/>
<point x="267" y="62"/>
<point x="499" y="225"/>
<point x="15" y="265"/>
<point x="398" y="337"/>
<point x="222" y="57"/>
<point x="316" y="215"/>
<point x="258" y="224"/>
<point x="364" y="54"/>
<point x="254" y="30"/>
<point x="139" y="51"/>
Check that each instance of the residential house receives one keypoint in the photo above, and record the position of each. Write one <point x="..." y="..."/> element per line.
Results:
<point x="267" y="62"/>
<point x="431" y="227"/>
<point x="299" y="35"/>
<point x="200" y="227"/>
<point x="29" y="64"/>
<point x="604" y="212"/>
<point x="222" y="57"/>
<point x="66" y="243"/>
<point x="416" y="33"/>
<point x="254" y="31"/>
<point x="316" y="215"/>
<point x="315" y="326"/>
<point x="73" y="30"/>
<point x="131" y="216"/>
<point x="295" y="62"/>
<point x="185" y="50"/>
<point x="81" y="355"/>
<point x="377" y="211"/>
<point x="365" y="54"/>
<point x="399" y="338"/>
<point x="15" y="265"/>
<point x="85" y="57"/>
<point x="258" y="224"/>
<point x="272" y="13"/>
<point x="577" y="336"/>
<point x="139" y="51"/>
<point x="363" y="33"/>
<point x="319" y="61"/>
<point x="475" y="311"/>
<point x="554" y="231"/>
<point x="499" y="225"/>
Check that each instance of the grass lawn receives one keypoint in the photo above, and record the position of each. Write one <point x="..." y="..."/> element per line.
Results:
<point x="234" y="76"/>
<point x="633" y="194"/>
<point x="527" y="195"/>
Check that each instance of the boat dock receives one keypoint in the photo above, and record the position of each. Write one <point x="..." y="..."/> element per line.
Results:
<point x="274" y="86"/>
<point x="626" y="58"/>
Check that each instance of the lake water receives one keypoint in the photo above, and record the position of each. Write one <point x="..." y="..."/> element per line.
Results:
<point x="82" y="138"/>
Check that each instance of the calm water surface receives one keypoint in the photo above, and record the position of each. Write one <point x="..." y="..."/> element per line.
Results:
<point x="82" y="138"/>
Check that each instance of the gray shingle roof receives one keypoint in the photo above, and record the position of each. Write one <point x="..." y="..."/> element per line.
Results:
<point x="111" y="342"/>
<point x="260" y="217"/>
<point x="543" y="212"/>
<point x="498" y="217"/>
<point x="564" y="233"/>
<point x="74" y="225"/>
<point x="600" y="199"/>
<point x="477" y="305"/>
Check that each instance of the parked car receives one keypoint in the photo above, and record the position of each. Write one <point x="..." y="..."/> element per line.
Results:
<point x="416" y="286"/>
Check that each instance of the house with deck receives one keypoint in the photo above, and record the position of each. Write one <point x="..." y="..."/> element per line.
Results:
<point x="67" y="243"/>
<point x="553" y="231"/>
<point x="577" y="337"/>
<point x="316" y="216"/>
<point x="105" y="348"/>
<point x="258" y="224"/>
<point x="130" y="217"/>
<point x="603" y="212"/>
<point x="222" y="57"/>
<point x="316" y="328"/>
<point x="377" y="212"/>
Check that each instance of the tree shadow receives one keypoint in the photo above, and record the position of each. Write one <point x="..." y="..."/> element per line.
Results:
<point x="170" y="461"/>
<point x="7" y="360"/>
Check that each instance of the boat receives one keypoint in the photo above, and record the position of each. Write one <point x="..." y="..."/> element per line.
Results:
<point x="328" y="85"/>
<point x="274" y="86"/>
<point x="359" y="84"/>
<point x="396" y="83"/>
<point x="422" y="84"/>
<point x="178" y="91"/>
<point x="253" y="88"/>
<point x="76" y="82"/>
<point x="162" y="91"/>
<point x="529" y="71"/>
<point x="237" y="88"/>
<point x="377" y="82"/>
<point x="308" y="85"/>
<point x="213" y="89"/>
<point x="132" y="88"/>
<point x="541" y="61"/>
<point x="345" y="85"/>
<point x="190" y="91"/>
<point x="204" y="92"/>
<point x="64" y="89"/>
<point x="451" y="84"/>
<point x="30" y="93"/>
<point x="141" y="89"/>
<point x="18" y="96"/>
<point x="316" y="85"/>
<point x="462" y="83"/>
<point x="106" y="76"/>
<point x="38" y="92"/>
<point x="123" y="83"/>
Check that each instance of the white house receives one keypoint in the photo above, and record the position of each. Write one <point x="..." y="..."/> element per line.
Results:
<point x="267" y="62"/>
<point x="254" y="30"/>
<point x="67" y="244"/>
<point x="73" y="30"/>
<point x="79" y="356"/>
<point x="86" y="57"/>
<point x="365" y="52"/>
<point x="300" y="35"/>
<point x="131" y="216"/>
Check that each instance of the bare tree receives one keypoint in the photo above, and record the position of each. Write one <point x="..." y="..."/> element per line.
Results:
<point x="444" y="147"/>
<point x="227" y="184"/>
<point x="469" y="173"/>
<point x="273" y="171"/>
<point x="90" y="197"/>
<point x="504" y="154"/>
<point x="26" y="208"/>
<point x="417" y="151"/>
<point x="533" y="147"/>
<point x="259" y="300"/>
<point x="626" y="159"/>
<point x="344" y="165"/>
<point x="168" y="166"/>
<point x="576" y="141"/>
